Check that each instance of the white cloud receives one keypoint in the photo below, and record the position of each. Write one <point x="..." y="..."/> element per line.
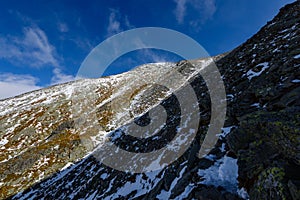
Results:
<point x="62" y="27"/>
<point x="114" y="25"/>
<point x="32" y="49"/>
<point x="180" y="10"/>
<point x="117" y="23"/>
<point x="210" y="8"/>
<point x="83" y="43"/>
<point x="13" y="84"/>
<point x="60" y="77"/>
<point x="202" y="11"/>
<point x="154" y="57"/>
<point x="127" y="23"/>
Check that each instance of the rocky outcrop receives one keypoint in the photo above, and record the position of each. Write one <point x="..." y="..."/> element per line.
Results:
<point x="266" y="110"/>
<point x="267" y="146"/>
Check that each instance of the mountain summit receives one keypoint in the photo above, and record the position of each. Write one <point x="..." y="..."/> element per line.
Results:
<point x="49" y="137"/>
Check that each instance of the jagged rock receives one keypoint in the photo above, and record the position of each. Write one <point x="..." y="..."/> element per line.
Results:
<point x="267" y="145"/>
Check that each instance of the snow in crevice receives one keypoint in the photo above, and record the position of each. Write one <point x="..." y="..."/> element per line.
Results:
<point x="297" y="56"/>
<point x="166" y="194"/>
<point x="257" y="105"/>
<point x="186" y="192"/>
<point x="3" y="142"/>
<point x="140" y="185"/>
<point x="251" y="74"/>
<point x="225" y="131"/>
<point x="67" y="166"/>
<point x="223" y="173"/>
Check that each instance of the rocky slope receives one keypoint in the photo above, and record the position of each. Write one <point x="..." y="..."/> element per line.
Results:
<point x="45" y="144"/>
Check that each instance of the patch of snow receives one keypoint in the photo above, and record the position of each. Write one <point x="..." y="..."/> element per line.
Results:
<point x="108" y="189"/>
<point x="166" y="194"/>
<point x="104" y="176"/>
<point x="251" y="74"/>
<point x="223" y="173"/>
<point x="222" y="148"/>
<point x="294" y="27"/>
<point x="271" y="24"/>
<point x="287" y="35"/>
<point x="67" y="166"/>
<point x="163" y="195"/>
<point x="3" y="142"/>
<point x="243" y="193"/>
<point x="255" y="105"/>
<point x="92" y="197"/>
<point x="155" y="164"/>
<point x="98" y="139"/>
<point x="210" y="157"/>
<point x="2" y="161"/>
<point x="229" y="96"/>
<point x="225" y="131"/>
<point x="297" y="56"/>
<point x="185" y="193"/>
<point x="140" y="185"/>
<point x="283" y="31"/>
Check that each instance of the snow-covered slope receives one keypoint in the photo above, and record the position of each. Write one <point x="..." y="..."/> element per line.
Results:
<point x="41" y="131"/>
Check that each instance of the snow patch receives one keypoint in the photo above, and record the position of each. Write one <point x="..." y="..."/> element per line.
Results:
<point x="287" y="35"/>
<point x="166" y="194"/>
<point x="243" y="193"/>
<point x="223" y="173"/>
<point x="66" y="166"/>
<point x="104" y="176"/>
<point x="297" y="56"/>
<point x="186" y="192"/>
<point x="226" y="131"/>
<point x="251" y="74"/>
<point x="255" y="105"/>
<point x="140" y="185"/>
<point x="3" y="141"/>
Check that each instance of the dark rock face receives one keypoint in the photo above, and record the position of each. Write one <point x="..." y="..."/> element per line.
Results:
<point x="267" y="109"/>
<point x="262" y="81"/>
<point x="267" y="145"/>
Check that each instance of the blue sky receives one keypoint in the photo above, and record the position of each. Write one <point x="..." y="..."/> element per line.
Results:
<point x="44" y="42"/>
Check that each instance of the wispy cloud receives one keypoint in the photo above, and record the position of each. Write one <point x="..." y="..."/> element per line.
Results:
<point x="149" y="55"/>
<point x="114" y="25"/>
<point x="13" y="84"/>
<point x="180" y="10"/>
<point x="31" y="49"/>
<point x="62" y="27"/>
<point x="83" y="43"/>
<point x="117" y="23"/>
<point x="202" y="11"/>
<point x="60" y="77"/>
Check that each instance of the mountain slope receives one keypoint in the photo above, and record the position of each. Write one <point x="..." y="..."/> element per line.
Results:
<point x="39" y="132"/>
